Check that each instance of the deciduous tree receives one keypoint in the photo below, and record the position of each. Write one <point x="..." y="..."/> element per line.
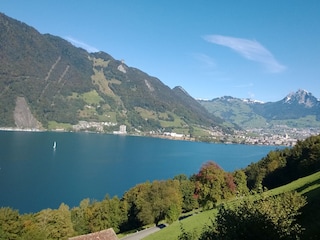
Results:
<point x="156" y="201"/>
<point x="187" y="187"/>
<point x="213" y="184"/>
<point x="10" y="224"/>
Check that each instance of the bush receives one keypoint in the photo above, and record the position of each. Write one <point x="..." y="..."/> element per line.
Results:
<point x="268" y="218"/>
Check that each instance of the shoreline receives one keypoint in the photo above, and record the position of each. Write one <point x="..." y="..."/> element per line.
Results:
<point x="12" y="129"/>
<point x="166" y="137"/>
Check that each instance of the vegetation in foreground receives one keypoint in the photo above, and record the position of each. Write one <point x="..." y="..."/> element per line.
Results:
<point x="195" y="224"/>
<point x="152" y="202"/>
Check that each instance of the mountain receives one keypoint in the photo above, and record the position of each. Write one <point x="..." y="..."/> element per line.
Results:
<point x="294" y="106"/>
<point x="298" y="109"/>
<point x="60" y="86"/>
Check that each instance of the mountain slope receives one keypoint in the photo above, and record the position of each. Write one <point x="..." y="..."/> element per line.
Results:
<point x="234" y="110"/>
<point x="293" y="106"/>
<point x="62" y="84"/>
<point x="300" y="109"/>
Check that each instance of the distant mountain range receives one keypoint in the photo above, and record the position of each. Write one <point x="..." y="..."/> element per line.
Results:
<point x="46" y="82"/>
<point x="299" y="109"/>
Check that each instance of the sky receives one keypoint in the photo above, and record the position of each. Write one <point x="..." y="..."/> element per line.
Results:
<point x="261" y="50"/>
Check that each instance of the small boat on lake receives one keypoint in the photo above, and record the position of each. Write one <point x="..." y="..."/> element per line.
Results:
<point x="54" y="145"/>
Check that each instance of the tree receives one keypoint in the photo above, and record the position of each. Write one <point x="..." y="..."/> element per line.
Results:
<point x="240" y="179"/>
<point x="283" y="166"/>
<point x="267" y="218"/>
<point x="63" y="223"/>
<point x="115" y="212"/>
<point x="56" y="223"/>
<point x="79" y="217"/>
<point x="213" y="184"/>
<point x="164" y="200"/>
<point x="152" y="202"/>
<point x="10" y="224"/>
<point x="133" y="199"/>
<point x="189" y="201"/>
<point x="31" y="231"/>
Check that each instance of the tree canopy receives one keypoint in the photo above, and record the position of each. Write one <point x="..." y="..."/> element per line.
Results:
<point x="213" y="184"/>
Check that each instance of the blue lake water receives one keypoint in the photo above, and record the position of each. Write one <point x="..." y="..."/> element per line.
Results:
<point x="34" y="176"/>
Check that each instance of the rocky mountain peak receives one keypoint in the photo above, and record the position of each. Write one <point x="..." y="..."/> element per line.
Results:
<point x="301" y="97"/>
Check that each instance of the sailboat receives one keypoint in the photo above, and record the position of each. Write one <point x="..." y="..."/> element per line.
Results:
<point x="54" y="145"/>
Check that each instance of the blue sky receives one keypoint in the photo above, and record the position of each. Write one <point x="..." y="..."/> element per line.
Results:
<point x="247" y="49"/>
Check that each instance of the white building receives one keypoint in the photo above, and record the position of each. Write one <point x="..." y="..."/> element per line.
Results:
<point x="122" y="130"/>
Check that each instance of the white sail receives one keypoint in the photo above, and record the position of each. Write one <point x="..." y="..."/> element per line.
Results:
<point x="54" y="145"/>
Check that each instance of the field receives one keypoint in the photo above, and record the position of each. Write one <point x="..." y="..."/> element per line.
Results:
<point x="310" y="219"/>
<point x="53" y="125"/>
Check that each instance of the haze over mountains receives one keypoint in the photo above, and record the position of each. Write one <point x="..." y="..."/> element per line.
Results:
<point x="47" y="83"/>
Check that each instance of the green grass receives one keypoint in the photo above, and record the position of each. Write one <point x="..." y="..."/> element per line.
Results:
<point x="108" y="117"/>
<point x="304" y="122"/>
<point x="301" y="185"/>
<point x="310" y="219"/>
<point x="91" y="98"/>
<point x="194" y="223"/>
<point x="148" y="114"/>
<point x="53" y="125"/>
<point x="176" y="123"/>
<point x="199" y="132"/>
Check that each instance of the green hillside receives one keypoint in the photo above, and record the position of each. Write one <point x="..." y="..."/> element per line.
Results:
<point x="235" y="111"/>
<point x="310" y="218"/>
<point x="297" y="110"/>
<point x="62" y="85"/>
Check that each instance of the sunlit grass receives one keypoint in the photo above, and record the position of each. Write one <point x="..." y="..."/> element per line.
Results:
<point x="308" y="186"/>
<point x="194" y="223"/>
<point x="92" y="97"/>
<point x="53" y="125"/>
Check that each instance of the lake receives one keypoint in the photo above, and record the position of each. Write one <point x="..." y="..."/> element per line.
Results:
<point x="34" y="176"/>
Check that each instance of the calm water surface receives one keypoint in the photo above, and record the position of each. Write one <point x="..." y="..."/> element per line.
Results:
<point x="34" y="176"/>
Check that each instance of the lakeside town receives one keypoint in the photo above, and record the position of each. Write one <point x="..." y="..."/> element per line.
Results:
<point x="280" y="135"/>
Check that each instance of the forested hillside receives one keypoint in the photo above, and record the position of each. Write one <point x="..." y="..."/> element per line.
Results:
<point x="283" y="166"/>
<point x="62" y="85"/>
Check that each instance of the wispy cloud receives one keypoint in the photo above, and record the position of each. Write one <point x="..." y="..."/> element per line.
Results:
<point x="251" y="50"/>
<point x="81" y="44"/>
<point x="207" y="61"/>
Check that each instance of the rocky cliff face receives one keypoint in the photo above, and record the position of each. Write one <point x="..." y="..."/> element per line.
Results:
<point x="23" y="117"/>
<point x="301" y="97"/>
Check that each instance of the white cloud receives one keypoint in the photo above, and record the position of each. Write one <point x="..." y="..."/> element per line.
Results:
<point x="206" y="60"/>
<point x="80" y="44"/>
<point x="251" y="50"/>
